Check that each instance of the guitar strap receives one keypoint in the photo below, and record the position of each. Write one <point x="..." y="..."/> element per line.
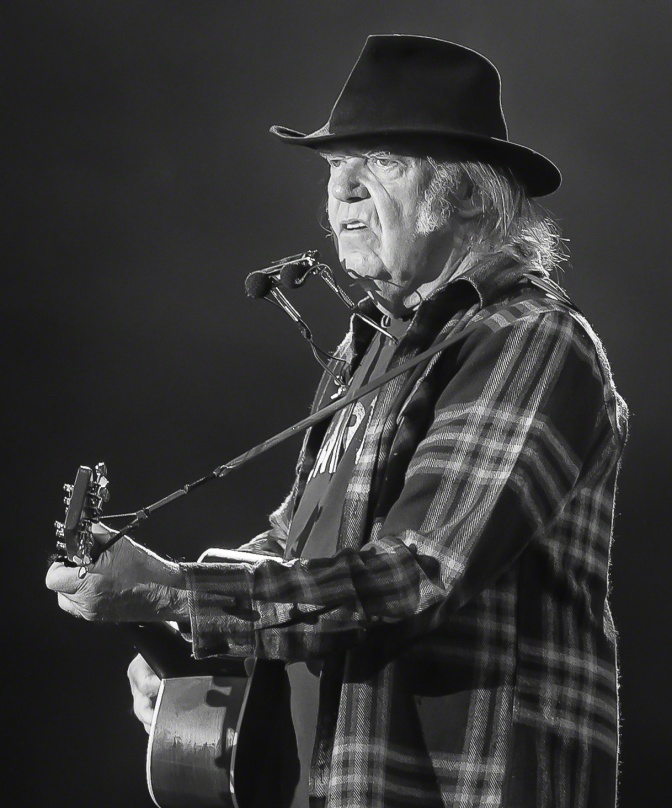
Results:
<point x="547" y="286"/>
<point x="296" y="429"/>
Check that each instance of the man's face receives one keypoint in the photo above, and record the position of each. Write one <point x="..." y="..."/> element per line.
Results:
<point x="375" y="198"/>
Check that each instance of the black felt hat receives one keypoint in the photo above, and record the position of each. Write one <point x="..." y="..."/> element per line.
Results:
<point x="423" y="90"/>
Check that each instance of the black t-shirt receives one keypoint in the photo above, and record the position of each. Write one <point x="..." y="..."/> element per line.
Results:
<point x="316" y="523"/>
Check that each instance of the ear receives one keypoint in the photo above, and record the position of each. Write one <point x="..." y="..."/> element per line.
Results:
<point x="468" y="204"/>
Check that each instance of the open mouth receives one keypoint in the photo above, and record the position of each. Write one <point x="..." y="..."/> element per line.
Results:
<point x="350" y="225"/>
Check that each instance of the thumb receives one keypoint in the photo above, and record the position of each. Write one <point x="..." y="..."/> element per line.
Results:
<point x="63" y="579"/>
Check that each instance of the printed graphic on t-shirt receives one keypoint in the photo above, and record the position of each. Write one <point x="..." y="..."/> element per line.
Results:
<point x="366" y="429"/>
<point x="339" y="436"/>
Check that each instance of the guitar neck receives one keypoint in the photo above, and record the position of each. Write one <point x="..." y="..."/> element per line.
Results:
<point x="168" y="654"/>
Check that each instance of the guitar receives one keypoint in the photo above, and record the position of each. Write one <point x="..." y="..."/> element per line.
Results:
<point x="218" y="737"/>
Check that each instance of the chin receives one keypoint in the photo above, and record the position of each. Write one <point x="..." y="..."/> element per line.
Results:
<point x="367" y="266"/>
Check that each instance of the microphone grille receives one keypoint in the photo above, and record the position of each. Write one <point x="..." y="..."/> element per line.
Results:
<point x="294" y="275"/>
<point x="258" y="284"/>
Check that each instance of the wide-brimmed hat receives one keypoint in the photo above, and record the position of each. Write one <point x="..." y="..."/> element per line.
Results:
<point x="418" y="89"/>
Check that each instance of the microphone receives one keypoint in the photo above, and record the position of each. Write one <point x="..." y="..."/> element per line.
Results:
<point x="260" y="282"/>
<point x="260" y="285"/>
<point x="291" y="272"/>
<point x="293" y="276"/>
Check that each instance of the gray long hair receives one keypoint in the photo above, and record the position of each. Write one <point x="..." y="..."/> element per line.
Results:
<point x="511" y="222"/>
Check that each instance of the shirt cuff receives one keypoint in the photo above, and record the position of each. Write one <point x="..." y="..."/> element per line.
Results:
<point x="223" y="621"/>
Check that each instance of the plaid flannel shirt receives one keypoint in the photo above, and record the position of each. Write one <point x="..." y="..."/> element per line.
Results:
<point x="468" y="649"/>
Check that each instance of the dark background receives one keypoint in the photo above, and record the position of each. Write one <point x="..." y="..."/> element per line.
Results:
<point x="141" y="186"/>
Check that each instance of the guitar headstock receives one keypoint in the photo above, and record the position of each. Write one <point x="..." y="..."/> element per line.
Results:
<point x="84" y="501"/>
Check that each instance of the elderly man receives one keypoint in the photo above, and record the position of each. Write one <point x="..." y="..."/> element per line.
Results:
<point x="439" y="583"/>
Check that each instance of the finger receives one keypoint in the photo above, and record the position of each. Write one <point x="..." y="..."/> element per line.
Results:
<point x="53" y="574"/>
<point x="143" y="708"/>
<point x="138" y="668"/>
<point x="63" y="579"/>
<point x="142" y="678"/>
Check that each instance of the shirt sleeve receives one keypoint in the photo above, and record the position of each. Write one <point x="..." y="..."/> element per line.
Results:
<point x="513" y="432"/>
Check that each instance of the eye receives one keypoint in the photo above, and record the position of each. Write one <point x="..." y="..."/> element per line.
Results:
<point x="334" y="161"/>
<point x="382" y="161"/>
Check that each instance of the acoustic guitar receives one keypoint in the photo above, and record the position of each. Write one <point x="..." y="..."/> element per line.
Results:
<point x="221" y="734"/>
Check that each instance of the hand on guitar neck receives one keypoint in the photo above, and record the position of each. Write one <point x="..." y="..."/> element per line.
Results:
<point x="126" y="583"/>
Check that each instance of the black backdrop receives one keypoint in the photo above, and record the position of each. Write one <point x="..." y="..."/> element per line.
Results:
<point x="141" y="186"/>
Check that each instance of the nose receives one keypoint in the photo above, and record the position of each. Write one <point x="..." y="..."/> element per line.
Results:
<point x="346" y="184"/>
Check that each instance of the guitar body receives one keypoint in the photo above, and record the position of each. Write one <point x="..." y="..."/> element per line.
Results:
<point x="221" y="740"/>
<point x="193" y="740"/>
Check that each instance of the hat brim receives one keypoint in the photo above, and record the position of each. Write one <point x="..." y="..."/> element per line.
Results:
<point x="537" y="173"/>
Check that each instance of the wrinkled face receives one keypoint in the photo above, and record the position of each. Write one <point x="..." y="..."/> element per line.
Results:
<point x="375" y="198"/>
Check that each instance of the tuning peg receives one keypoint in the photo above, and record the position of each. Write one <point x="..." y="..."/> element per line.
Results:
<point x="60" y="530"/>
<point x="61" y="548"/>
<point x="68" y="489"/>
<point x="101" y="469"/>
<point x="104" y="493"/>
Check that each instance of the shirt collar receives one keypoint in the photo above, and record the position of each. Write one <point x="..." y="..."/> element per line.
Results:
<point x="490" y="276"/>
<point x="484" y="281"/>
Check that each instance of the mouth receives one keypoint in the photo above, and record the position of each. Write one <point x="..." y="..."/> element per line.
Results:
<point x="352" y="225"/>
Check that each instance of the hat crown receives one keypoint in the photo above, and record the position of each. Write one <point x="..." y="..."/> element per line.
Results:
<point x="429" y="84"/>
